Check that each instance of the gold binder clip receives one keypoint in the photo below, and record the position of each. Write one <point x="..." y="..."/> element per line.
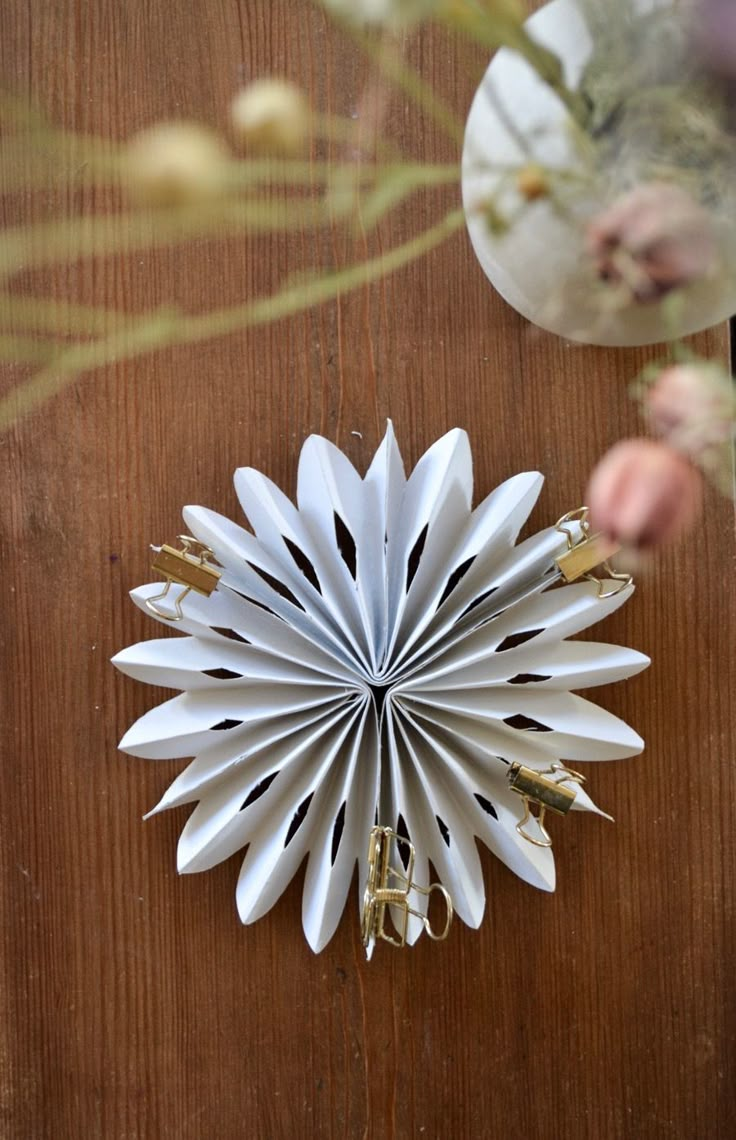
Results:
<point x="547" y="790"/>
<point x="189" y="568"/>
<point x="388" y="887"/>
<point x="593" y="550"/>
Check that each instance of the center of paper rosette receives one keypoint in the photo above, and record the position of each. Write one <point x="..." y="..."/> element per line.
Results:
<point x="378" y="692"/>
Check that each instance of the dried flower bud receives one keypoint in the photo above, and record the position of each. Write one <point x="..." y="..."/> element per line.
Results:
<point x="693" y="406"/>
<point x="272" y="116"/>
<point x="654" y="239"/>
<point x="715" y="33"/>
<point x="176" y="164"/>
<point x="497" y="224"/>
<point x="531" y="182"/>
<point x="644" y="494"/>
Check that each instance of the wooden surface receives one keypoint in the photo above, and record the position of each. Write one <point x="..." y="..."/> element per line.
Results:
<point x="132" y="1003"/>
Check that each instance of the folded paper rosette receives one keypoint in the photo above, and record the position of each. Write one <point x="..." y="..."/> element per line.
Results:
<point x="380" y="652"/>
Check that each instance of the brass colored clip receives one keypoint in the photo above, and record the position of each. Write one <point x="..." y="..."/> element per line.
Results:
<point x="189" y="568"/>
<point x="581" y="558"/>
<point x="380" y="894"/>
<point x="548" y="793"/>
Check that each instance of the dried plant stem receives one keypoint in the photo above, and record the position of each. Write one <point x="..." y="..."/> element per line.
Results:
<point x="388" y="60"/>
<point x="26" y="350"/>
<point x="169" y="327"/>
<point x="58" y="317"/>
<point x="494" y="30"/>
<point x="100" y="235"/>
<point x="549" y="69"/>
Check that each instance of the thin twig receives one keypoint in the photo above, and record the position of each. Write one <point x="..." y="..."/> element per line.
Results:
<point x="169" y="328"/>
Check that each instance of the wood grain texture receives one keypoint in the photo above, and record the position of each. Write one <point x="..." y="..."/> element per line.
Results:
<point x="132" y="1003"/>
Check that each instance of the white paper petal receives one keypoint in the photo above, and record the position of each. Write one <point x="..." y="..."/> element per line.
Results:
<point x="572" y="727"/>
<point x="186" y="724"/>
<point x="492" y="811"/>
<point x="284" y="533"/>
<point x="283" y="591"/>
<point x="520" y="576"/>
<point x="399" y="806"/>
<point x="583" y="802"/>
<point x="443" y="470"/>
<point x="276" y="850"/>
<point x="202" y="664"/>
<point x="384" y="486"/>
<point x="561" y="665"/>
<point x="239" y="808"/>
<point x="225" y="617"/>
<point x="216" y="762"/>
<point x="353" y="797"/>
<point x="377" y="652"/>
<point x="437" y="806"/>
<point x="487" y="537"/>
<point x="332" y="503"/>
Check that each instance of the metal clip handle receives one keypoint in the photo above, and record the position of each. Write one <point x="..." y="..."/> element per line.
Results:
<point x="435" y="935"/>
<point x="548" y="794"/>
<point x="189" y="568"/>
<point x="585" y="555"/>
<point x="381" y="892"/>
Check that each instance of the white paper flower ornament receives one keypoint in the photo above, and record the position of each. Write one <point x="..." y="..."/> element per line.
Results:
<point x="378" y="652"/>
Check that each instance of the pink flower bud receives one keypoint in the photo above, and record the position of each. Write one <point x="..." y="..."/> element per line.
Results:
<point x="715" y="34"/>
<point x="643" y="494"/>
<point x="654" y="239"/>
<point x="693" y="406"/>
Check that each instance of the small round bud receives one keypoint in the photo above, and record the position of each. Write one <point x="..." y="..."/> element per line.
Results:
<point x="271" y="116"/>
<point x="654" y="239"/>
<point x="531" y="182"/>
<point x="495" y="221"/>
<point x="714" y="29"/>
<point x="176" y="164"/>
<point x="693" y="406"/>
<point x="644" y="494"/>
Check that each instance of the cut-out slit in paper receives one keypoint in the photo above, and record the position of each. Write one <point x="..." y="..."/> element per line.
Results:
<point x="251" y="602"/>
<point x="455" y="579"/>
<point x="478" y="601"/>
<point x="277" y="586"/>
<point x="337" y="831"/>
<point x="346" y="545"/>
<point x="414" y="559"/>
<point x="299" y="816"/>
<point x="403" y="848"/>
<point x="525" y="723"/>
<point x="259" y="790"/>
<point x="514" y="640"/>
<point x="486" y="805"/>
<point x="303" y="563"/>
<point x="231" y="634"/>
<point x="372" y="707"/>
<point x="444" y="832"/>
